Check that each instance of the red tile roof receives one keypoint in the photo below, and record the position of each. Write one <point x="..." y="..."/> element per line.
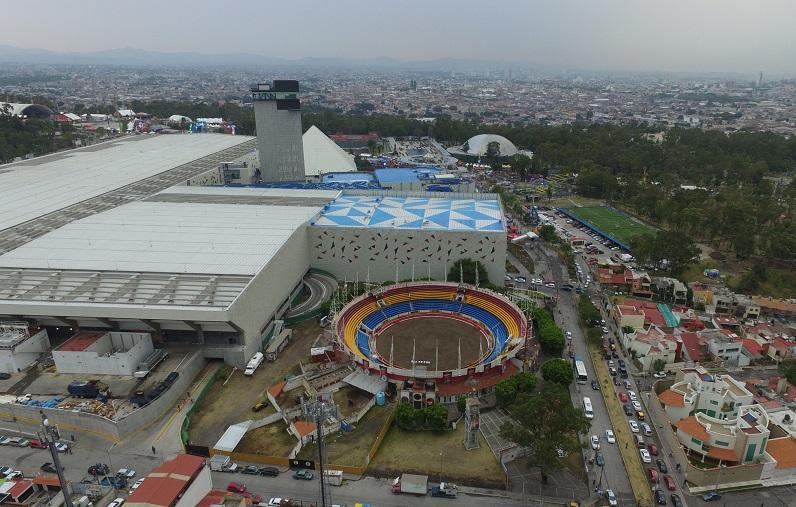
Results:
<point x="722" y="453"/>
<point x="304" y="427"/>
<point x="166" y="482"/>
<point x="692" y="346"/>
<point x="753" y="347"/>
<point x="783" y="450"/>
<point x="276" y="389"/>
<point x="691" y="426"/>
<point x="671" y="398"/>
<point x="478" y="383"/>
<point x="19" y="488"/>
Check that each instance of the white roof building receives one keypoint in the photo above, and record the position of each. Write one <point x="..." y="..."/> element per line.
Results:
<point x="322" y="155"/>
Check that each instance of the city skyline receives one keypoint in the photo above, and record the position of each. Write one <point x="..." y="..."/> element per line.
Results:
<point x="618" y="35"/>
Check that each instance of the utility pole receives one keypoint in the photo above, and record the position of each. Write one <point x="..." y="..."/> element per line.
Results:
<point x="319" y="411"/>
<point x="49" y="435"/>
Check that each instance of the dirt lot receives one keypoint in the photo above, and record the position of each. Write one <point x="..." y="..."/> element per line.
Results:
<point x="271" y="440"/>
<point x="419" y="338"/>
<point x="352" y="448"/>
<point x="231" y="403"/>
<point x="429" y="453"/>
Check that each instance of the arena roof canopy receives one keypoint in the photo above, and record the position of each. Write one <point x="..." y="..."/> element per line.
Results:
<point x="29" y="110"/>
<point x="479" y="146"/>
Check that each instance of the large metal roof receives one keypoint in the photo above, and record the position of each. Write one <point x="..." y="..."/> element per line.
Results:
<point x="33" y="188"/>
<point x="166" y="237"/>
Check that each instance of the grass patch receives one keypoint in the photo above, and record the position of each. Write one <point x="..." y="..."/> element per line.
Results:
<point x="610" y="221"/>
<point x="624" y="437"/>
<point x="430" y="453"/>
<point x="270" y="440"/>
<point x="521" y="255"/>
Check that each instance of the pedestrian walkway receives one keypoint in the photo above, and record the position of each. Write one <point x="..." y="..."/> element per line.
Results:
<point x="491" y="422"/>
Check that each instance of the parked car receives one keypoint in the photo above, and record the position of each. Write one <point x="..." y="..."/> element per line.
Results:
<point x="136" y="484"/>
<point x="659" y="374"/>
<point x="612" y="371"/>
<point x="18" y="442"/>
<point x="670" y="484"/>
<point x="5" y="470"/>
<point x="236" y="487"/>
<point x="600" y="460"/>
<point x="16" y="474"/>
<point x="623" y="397"/>
<point x="662" y="466"/>
<point x="269" y="471"/>
<point x="255" y="498"/>
<point x="622" y="363"/>
<point x="676" y="501"/>
<point x="4" y="440"/>
<point x="653" y="475"/>
<point x="115" y="482"/>
<point x="61" y="446"/>
<point x="5" y="376"/>
<point x="37" y="444"/>
<point x="127" y="473"/>
<point x="302" y="475"/>
<point x="609" y="437"/>
<point x="116" y="503"/>
<point x="646" y="429"/>
<point x="632" y="395"/>
<point x="250" y="470"/>
<point x="609" y="495"/>
<point x="627" y="384"/>
<point x="595" y="385"/>
<point x="711" y="496"/>
<point x="653" y="448"/>
<point x="660" y="497"/>
<point x="48" y="467"/>
<point x="99" y="469"/>
<point x="595" y="442"/>
<point x="633" y="426"/>
<point x="645" y="456"/>
<point x="628" y="410"/>
<point x="637" y="405"/>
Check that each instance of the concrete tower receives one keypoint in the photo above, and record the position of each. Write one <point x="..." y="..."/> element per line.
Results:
<point x="472" y="421"/>
<point x="277" y="111"/>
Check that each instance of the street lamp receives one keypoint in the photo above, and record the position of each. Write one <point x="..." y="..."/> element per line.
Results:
<point x="50" y="435"/>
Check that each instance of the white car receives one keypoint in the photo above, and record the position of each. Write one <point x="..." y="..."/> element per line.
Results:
<point x="569" y="335"/>
<point x="276" y="501"/>
<point x="633" y="426"/>
<point x="595" y="442"/>
<point x="61" y="447"/>
<point x="520" y="279"/>
<point x="16" y="474"/>
<point x="550" y="285"/>
<point x="609" y="437"/>
<point x="609" y="495"/>
<point x="660" y="374"/>
<point x="646" y="429"/>
<point x="627" y="384"/>
<point x="136" y="484"/>
<point x="645" y="456"/>
<point x="116" y="503"/>
<point x="637" y="405"/>
<point x="127" y="473"/>
<point x="632" y="395"/>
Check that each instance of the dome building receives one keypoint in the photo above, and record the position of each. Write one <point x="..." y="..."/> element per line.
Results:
<point x="486" y="145"/>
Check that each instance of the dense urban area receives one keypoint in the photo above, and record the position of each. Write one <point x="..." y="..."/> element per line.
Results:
<point x="395" y="287"/>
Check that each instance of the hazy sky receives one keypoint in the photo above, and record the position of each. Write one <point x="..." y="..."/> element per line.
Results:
<point x="670" y="35"/>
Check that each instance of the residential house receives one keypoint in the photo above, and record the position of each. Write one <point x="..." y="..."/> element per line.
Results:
<point x="672" y="290"/>
<point x="701" y="295"/>
<point x="653" y="344"/>
<point x="775" y="307"/>
<point x="726" y="346"/>
<point x="781" y="348"/>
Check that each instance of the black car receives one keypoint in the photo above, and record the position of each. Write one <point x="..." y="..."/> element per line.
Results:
<point x="269" y="471"/>
<point x="614" y="354"/>
<point x="623" y="373"/>
<point x="99" y="469"/>
<point x="622" y="364"/>
<point x="595" y="385"/>
<point x="662" y="466"/>
<point x="250" y="470"/>
<point x="628" y="409"/>
<point x="4" y="375"/>
<point x="48" y="467"/>
<point x="676" y="500"/>
<point x="660" y="497"/>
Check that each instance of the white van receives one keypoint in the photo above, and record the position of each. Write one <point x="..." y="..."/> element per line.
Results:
<point x="254" y="363"/>
<point x="588" y="411"/>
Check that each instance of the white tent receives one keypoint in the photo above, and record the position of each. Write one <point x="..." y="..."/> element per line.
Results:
<point x="322" y="155"/>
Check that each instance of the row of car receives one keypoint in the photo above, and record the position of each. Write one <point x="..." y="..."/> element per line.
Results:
<point x="34" y="443"/>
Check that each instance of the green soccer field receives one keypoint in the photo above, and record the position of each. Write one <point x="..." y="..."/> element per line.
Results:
<point x="611" y="222"/>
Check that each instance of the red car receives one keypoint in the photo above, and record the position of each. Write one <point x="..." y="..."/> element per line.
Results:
<point x="37" y="444"/>
<point x="236" y="487"/>
<point x="256" y="499"/>
<point x="653" y="449"/>
<point x="653" y="475"/>
<point x="670" y="485"/>
<point x="623" y="397"/>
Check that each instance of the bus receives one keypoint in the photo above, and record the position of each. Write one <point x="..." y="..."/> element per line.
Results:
<point x="580" y="370"/>
<point x="588" y="411"/>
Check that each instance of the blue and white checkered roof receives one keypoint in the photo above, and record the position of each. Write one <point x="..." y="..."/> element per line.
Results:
<point x="412" y="213"/>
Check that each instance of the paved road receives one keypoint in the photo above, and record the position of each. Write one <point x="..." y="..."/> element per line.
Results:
<point x="321" y="288"/>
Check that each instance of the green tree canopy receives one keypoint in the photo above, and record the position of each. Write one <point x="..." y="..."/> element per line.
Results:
<point x="558" y="371"/>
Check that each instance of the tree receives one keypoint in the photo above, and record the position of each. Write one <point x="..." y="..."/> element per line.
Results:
<point x="467" y="268"/>
<point x="558" y="371"/>
<point x="545" y="423"/>
<point x="505" y="393"/>
<point x="627" y="329"/>
<point x="790" y="373"/>
<point x="548" y="233"/>
<point x="520" y="164"/>
<point x="658" y="365"/>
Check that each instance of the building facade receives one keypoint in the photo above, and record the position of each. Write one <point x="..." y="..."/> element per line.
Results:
<point x="277" y="113"/>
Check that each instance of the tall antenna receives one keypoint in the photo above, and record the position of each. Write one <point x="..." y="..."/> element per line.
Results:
<point x="436" y="357"/>
<point x="413" y="272"/>
<point x="460" y="353"/>
<point x="477" y="265"/>
<point x="318" y="411"/>
<point x="49" y="435"/>
<point x="461" y="272"/>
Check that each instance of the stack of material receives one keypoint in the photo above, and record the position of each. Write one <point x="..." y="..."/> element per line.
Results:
<point x="92" y="406"/>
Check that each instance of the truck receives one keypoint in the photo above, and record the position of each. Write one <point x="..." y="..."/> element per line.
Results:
<point x="410" y="484"/>
<point x="222" y="463"/>
<point x="86" y="388"/>
<point x="445" y="490"/>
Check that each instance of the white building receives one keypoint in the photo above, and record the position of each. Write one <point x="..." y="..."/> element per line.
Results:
<point x="20" y="345"/>
<point x="103" y="353"/>
<point x="322" y="155"/>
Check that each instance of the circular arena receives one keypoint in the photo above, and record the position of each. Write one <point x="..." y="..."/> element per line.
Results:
<point x="429" y="330"/>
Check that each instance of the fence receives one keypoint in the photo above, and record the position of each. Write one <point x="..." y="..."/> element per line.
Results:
<point x="186" y="422"/>
<point x="380" y="437"/>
